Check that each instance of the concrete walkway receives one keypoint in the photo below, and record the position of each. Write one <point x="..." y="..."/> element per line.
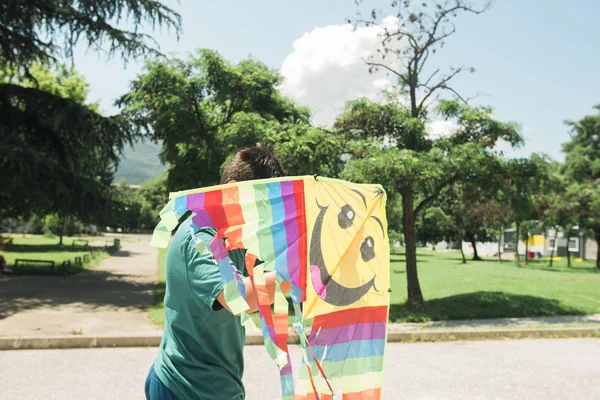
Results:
<point x="592" y="320"/>
<point x="565" y="369"/>
<point x="110" y="299"/>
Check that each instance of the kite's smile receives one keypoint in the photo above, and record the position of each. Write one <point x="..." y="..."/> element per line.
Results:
<point x="326" y="287"/>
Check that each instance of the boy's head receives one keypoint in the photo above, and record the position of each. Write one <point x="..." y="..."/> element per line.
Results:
<point x="252" y="163"/>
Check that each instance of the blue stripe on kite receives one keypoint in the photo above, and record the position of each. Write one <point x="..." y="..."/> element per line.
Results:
<point x="287" y="385"/>
<point x="181" y="205"/>
<point x="263" y="326"/>
<point x="296" y="294"/>
<point x="225" y="269"/>
<point x="280" y="244"/>
<point x="240" y="285"/>
<point x="345" y="351"/>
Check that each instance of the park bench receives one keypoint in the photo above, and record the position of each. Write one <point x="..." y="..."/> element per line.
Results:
<point x="33" y="262"/>
<point x="80" y="242"/>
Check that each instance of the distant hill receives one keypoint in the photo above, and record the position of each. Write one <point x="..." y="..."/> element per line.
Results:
<point x="139" y="164"/>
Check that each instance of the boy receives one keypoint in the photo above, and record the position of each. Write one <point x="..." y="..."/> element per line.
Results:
<point x="201" y="353"/>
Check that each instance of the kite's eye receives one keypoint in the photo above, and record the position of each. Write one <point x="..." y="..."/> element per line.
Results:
<point x="367" y="249"/>
<point x="346" y="217"/>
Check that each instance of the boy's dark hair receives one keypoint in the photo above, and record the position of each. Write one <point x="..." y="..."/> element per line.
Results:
<point x="252" y="163"/>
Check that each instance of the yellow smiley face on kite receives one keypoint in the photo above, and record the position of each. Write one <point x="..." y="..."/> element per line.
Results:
<point x="348" y="247"/>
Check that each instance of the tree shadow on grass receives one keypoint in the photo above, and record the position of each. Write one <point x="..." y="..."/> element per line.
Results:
<point x="160" y="289"/>
<point x="482" y="305"/>
<point x="125" y="253"/>
<point x="48" y="248"/>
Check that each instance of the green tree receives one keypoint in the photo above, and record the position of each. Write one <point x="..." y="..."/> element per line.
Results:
<point x="58" y="153"/>
<point x="473" y="203"/>
<point x="416" y="167"/>
<point x="203" y="108"/>
<point x="558" y="206"/>
<point x="526" y="181"/>
<point x="470" y="205"/>
<point x="405" y="54"/>
<point x="308" y="150"/>
<point x="582" y="167"/>
<point x="496" y="220"/>
<point x="153" y="195"/>
<point x="434" y="226"/>
<point x="35" y="31"/>
<point x="124" y="210"/>
<point x="61" y="80"/>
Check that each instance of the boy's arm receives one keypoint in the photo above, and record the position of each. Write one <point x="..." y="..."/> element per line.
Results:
<point x="252" y="296"/>
<point x="205" y="282"/>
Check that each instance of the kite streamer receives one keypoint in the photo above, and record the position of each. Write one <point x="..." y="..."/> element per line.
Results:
<point x="326" y="239"/>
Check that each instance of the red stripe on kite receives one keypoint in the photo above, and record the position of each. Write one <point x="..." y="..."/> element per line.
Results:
<point x="302" y="236"/>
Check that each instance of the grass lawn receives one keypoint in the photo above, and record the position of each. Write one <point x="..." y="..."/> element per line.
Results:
<point x="488" y="289"/>
<point x="478" y="289"/>
<point x="157" y="311"/>
<point x="47" y="248"/>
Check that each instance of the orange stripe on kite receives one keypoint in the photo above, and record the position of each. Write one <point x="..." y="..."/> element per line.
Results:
<point x="281" y="330"/>
<point x="232" y="207"/>
<point x="235" y="218"/>
<point x="312" y="396"/>
<point x="369" y="394"/>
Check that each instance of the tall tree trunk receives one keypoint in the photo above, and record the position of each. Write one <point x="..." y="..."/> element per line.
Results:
<point x="500" y="246"/>
<point x="62" y="229"/>
<point x="474" y="244"/>
<point x="462" y="253"/>
<point x="553" y="247"/>
<point x="568" y="255"/>
<point x="517" y="243"/>
<point x="598" y="251"/>
<point x="527" y="250"/>
<point x="415" y="297"/>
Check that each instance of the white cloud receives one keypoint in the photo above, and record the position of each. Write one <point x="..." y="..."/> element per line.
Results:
<point x="441" y="128"/>
<point x="326" y="68"/>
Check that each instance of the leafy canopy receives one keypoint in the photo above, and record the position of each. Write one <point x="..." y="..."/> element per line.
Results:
<point x="203" y="109"/>
<point x="41" y="31"/>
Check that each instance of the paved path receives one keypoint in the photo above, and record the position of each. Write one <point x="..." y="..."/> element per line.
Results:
<point x="565" y="369"/>
<point x="591" y="320"/>
<point x="108" y="299"/>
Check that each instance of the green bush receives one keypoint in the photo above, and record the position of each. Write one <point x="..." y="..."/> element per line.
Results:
<point x="36" y="225"/>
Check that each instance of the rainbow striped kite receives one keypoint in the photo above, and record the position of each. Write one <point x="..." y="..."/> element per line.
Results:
<point x="328" y="239"/>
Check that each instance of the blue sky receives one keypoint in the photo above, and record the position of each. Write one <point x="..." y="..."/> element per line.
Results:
<point x="536" y="61"/>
